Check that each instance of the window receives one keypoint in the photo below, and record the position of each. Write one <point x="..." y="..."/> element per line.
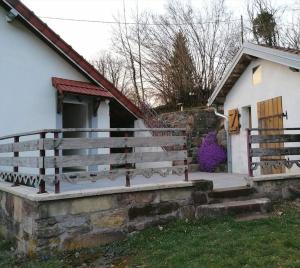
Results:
<point x="256" y="75"/>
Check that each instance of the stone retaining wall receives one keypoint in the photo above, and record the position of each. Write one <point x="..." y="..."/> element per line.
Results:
<point x="48" y="226"/>
<point x="198" y="122"/>
<point x="276" y="187"/>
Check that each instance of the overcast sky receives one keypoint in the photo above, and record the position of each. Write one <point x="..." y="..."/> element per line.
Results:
<point x="90" y="38"/>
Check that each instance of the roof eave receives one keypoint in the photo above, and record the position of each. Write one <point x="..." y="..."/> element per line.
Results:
<point x="257" y="51"/>
<point x="224" y="79"/>
<point x="133" y="110"/>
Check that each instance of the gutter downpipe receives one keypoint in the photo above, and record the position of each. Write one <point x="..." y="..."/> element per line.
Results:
<point x="228" y="138"/>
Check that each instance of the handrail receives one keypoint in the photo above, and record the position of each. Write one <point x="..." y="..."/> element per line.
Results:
<point x="270" y="156"/>
<point x="271" y="129"/>
<point x="64" y="130"/>
<point x="40" y="161"/>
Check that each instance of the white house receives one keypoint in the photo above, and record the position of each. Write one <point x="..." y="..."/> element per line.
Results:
<point x="46" y="84"/>
<point x="261" y="89"/>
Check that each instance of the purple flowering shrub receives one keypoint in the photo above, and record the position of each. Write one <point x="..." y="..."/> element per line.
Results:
<point x="210" y="154"/>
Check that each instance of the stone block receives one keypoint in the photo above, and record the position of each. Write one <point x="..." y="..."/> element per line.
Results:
<point x="175" y="194"/>
<point x="203" y="185"/>
<point x="151" y="210"/>
<point x="109" y="220"/>
<point x="54" y="208"/>
<point x="199" y="198"/>
<point x="187" y="212"/>
<point x="49" y="232"/>
<point x="92" y="240"/>
<point x="130" y="199"/>
<point x="73" y="221"/>
<point x="139" y="224"/>
<point x="93" y="204"/>
<point x="205" y="212"/>
<point x="28" y="225"/>
<point x="9" y="204"/>
<point x="31" y="247"/>
<point x="18" y="208"/>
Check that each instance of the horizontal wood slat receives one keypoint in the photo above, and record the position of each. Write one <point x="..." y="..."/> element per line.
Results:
<point x="259" y="152"/>
<point x="111" y="159"/>
<point x="37" y="132"/>
<point x="24" y="146"/>
<point x="275" y="138"/>
<point x="29" y="161"/>
<point x="120" y="142"/>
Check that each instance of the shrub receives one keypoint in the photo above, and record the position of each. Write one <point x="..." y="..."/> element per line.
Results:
<point x="210" y="154"/>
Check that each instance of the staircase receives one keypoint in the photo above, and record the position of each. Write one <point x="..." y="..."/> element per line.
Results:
<point x="238" y="202"/>
<point x="152" y="119"/>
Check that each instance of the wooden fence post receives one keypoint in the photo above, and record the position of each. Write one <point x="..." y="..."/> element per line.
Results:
<point x="16" y="154"/>
<point x="57" y="179"/>
<point x="249" y="157"/>
<point x="126" y="151"/>
<point x="42" y="186"/>
<point x="186" y="171"/>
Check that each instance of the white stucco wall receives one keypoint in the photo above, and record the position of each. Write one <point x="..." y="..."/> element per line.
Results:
<point x="28" y="99"/>
<point x="277" y="80"/>
<point x="103" y="121"/>
<point x="140" y="124"/>
<point x="27" y="64"/>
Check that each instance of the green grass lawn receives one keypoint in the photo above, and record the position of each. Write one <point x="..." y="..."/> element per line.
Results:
<point x="273" y="242"/>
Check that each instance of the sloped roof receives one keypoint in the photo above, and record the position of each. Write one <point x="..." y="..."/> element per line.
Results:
<point x="29" y="19"/>
<point x="78" y="87"/>
<point x="287" y="49"/>
<point x="285" y="56"/>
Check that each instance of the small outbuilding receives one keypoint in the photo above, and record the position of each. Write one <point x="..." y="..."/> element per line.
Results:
<point x="261" y="92"/>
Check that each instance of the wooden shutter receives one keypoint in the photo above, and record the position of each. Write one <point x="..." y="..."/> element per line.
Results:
<point x="234" y="121"/>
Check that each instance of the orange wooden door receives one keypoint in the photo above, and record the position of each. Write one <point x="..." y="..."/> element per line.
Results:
<point x="270" y="116"/>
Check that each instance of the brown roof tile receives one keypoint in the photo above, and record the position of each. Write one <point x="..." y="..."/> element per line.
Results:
<point x="79" y="87"/>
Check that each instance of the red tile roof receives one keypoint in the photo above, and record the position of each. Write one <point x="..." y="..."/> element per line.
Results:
<point x="53" y="39"/>
<point x="79" y="87"/>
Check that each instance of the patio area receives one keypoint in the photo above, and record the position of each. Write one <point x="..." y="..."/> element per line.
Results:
<point x="136" y="159"/>
<point x="106" y="186"/>
<point x="220" y="180"/>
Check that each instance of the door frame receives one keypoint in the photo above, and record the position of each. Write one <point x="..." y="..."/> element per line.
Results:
<point x="270" y="116"/>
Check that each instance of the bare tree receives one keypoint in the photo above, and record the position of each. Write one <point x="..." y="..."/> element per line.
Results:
<point x="212" y="39"/>
<point x="113" y="69"/>
<point x="127" y="42"/>
<point x="291" y="34"/>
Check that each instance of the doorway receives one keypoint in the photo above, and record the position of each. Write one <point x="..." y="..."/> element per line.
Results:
<point x="270" y="116"/>
<point x="75" y="115"/>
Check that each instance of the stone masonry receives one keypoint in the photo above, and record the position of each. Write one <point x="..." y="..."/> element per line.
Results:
<point x="198" y="122"/>
<point x="70" y="223"/>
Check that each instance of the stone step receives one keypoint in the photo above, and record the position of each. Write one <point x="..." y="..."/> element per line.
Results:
<point x="261" y="205"/>
<point x="239" y="192"/>
<point x="252" y="217"/>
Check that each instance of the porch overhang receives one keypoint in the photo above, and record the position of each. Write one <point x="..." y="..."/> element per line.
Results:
<point x="78" y="87"/>
<point x="66" y="86"/>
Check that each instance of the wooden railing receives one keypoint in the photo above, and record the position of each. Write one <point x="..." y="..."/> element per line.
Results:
<point x="53" y="151"/>
<point x="273" y="148"/>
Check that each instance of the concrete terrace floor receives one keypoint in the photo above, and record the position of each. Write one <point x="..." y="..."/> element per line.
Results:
<point x="220" y="180"/>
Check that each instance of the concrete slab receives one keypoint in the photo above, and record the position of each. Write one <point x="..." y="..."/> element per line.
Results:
<point x="139" y="183"/>
<point x="220" y="180"/>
